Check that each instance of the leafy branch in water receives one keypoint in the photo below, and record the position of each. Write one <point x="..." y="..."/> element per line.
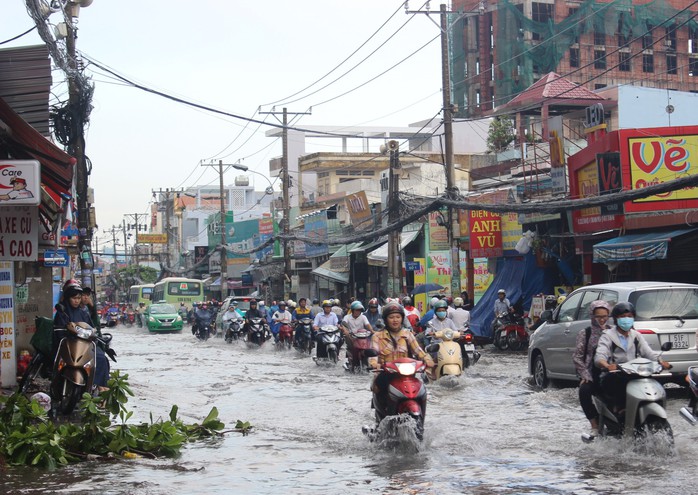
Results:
<point x="29" y="437"/>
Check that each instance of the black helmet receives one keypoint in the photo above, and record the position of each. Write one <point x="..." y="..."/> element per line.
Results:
<point x="253" y="301"/>
<point x="391" y="308"/>
<point x="406" y="301"/>
<point x="622" y="307"/>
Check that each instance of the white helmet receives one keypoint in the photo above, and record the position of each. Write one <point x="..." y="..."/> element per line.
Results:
<point x="458" y="302"/>
<point x="433" y="301"/>
<point x="290" y="303"/>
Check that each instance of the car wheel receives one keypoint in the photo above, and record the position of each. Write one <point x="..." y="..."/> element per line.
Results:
<point x="540" y="374"/>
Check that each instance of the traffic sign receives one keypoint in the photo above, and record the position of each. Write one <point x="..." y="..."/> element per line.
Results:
<point x="413" y="266"/>
<point x="56" y="257"/>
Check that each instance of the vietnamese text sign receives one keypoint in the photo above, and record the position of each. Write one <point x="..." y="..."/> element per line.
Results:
<point x="485" y="234"/>
<point x="20" y="182"/>
<point x="439" y="272"/>
<point x="358" y="207"/>
<point x="412" y="266"/>
<point x="19" y="233"/>
<point x="152" y="238"/>
<point x="8" y="360"/>
<point x="438" y="234"/>
<point x="609" y="171"/>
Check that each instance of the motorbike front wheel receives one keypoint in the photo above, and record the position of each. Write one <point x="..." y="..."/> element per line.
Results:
<point x="32" y="372"/>
<point x="500" y="340"/>
<point x="332" y="354"/>
<point x="70" y="396"/>
<point x="513" y="342"/>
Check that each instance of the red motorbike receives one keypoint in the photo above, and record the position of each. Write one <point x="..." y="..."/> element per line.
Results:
<point x="510" y="332"/>
<point x="130" y="318"/>
<point x="357" y="344"/>
<point x="285" y="336"/>
<point x="405" y="394"/>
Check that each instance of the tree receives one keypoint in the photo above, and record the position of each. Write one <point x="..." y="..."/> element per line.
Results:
<point x="500" y="134"/>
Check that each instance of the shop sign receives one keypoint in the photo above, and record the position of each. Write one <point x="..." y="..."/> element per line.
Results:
<point x="316" y="230"/>
<point x="56" y="257"/>
<point x="8" y="363"/>
<point x="609" y="173"/>
<point x="19" y="233"/>
<point x="358" y="207"/>
<point x="591" y="219"/>
<point x="412" y="266"/>
<point x="152" y="239"/>
<point x="438" y="234"/>
<point x="485" y="234"/>
<point x="20" y="182"/>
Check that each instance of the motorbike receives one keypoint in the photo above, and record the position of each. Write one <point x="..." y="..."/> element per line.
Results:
<point x="234" y="330"/>
<point x="690" y="411"/>
<point x="112" y="319"/>
<point x="130" y="318"/>
<point x="285" y="337"/>
<point x="405" y="394"/>
<point x="329" y="342"/>
<point x="467" y="346"/>
<point x="74" y="366"/>
<point x="645" y="412"/>
<point x="204" y="329"/>
<point x="42" y="361"/>
<point x="304" y="335"/>
<point x="510" y="332"/>
<point x="449" y="357"/>
<point x="257" y="332"/>
<point x="359" y="342"/>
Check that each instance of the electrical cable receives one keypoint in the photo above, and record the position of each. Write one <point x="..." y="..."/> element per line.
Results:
<point x="18" y="36"/>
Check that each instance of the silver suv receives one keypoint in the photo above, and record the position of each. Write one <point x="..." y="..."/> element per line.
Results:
<point x="666" y="312"/>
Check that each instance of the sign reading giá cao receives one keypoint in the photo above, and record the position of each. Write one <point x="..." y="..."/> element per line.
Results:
<point x="485" y="234"/>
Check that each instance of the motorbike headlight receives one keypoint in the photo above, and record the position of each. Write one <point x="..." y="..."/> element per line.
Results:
<point x="448" y="334"/>
<point x="406" y="369"/>
<point x="84" y="333"/>
<point x="646" y="369"/>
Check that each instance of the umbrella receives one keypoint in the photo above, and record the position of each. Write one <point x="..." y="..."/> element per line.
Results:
<point x="424" y="288"/>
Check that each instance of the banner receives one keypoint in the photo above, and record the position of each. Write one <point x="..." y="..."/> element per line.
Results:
<point x="358" y="208"/>
<point x="438" y="235"/>
<point x="316" y="229"/>
<point x="439" y="273"/>
<point x="151" y="239"/>
<point x="420" y="278"/>
<point x="482" y="278"/>
<point x="485" y="234"/>
<point x="8" y="359"/>
<point x="511" y="233"/>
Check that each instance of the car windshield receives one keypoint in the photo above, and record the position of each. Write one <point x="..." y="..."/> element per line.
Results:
<point x="243" y="305"/>
<point x="162" y="309"/>
<point x="675" y="303"/>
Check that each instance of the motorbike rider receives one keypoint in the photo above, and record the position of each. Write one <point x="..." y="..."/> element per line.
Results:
<point x="327" y="317"/>
<point x="429" y="314"/>
<point x="229" y="316"/>
<point x="202" y="315"/>
<point x="583" y="359"/>
<point x="315" y="308"/>
<point x="393" y="343"/>
<point x="372" y="314"/>
<point x="70" y="311"/>
<point x="281" y="317"/>
<point x="460" y="315"/>
<point x="337" y="308"/>
<point x="620" y="344"/>
<point x="302" y="311"/>
<point x="502" y="304"/>
<point x="89" y="305"/>
<point x="253" y="312"/>
<point x="411" y="313"/>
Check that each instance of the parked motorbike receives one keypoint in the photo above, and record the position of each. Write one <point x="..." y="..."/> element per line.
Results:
<point x="234" y="330"/>
<point x="405" y="394"/>
<point x="467" y="346"/>
<point x="690" y="411"/>
<point x="42" y="362"/>
<point x="645" y="402"/>
<point x="285" y="336"/>
<point x="74" y="366"/>
<point x="358" y="343"/>
<point x="510" y="332"/>
<point x="304" y="335"/>
<point x="329" y="342"/>
<point x="449" y="358"/>
<point x="257" y="331"/>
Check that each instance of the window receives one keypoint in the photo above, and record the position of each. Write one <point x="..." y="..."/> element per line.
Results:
<point x="599" y="38"/>
<point x="671" y="64"/>
<point x="693" y="67"/>
<point x="574" y="57"/>
<point x="624" y="59"/>
<point x="624" y="34"/>
<point x="541" y="12"/>
<point x="692" y="40"/>
<point x="568" y="309"/>
<point x="647" y="63"/>
<point x="589" y="297"/>
<point x="670" y="37"/>
<point x="647" y="41"/>
<point x="600" y="86"/>
<point x="599" y="59"/>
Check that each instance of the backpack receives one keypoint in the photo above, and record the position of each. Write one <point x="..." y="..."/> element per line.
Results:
<point x="414" y="320"/>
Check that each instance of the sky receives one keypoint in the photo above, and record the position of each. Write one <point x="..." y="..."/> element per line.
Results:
<point x="235" y="56"/>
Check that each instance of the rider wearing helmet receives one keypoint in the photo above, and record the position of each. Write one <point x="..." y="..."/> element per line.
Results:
<point x="337" y="308"/>
<point x="393" y="343"/>
<point x="441" y="320"/>
<point x="618" y="345"/>
<point x="327" y="317"/>
<point x="460" y="315"/>
<point x="355" y="320"/>
<point x="411" y="313"/>
<point x="429" y="314"/>
<point x="372" y="314"/>
<point x="281" y="317"/>
<point x="583" y="359"/>
<point x="502" y="304"/>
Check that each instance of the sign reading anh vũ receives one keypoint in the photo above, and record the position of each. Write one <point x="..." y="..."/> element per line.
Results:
<point x="20" y="182"/>
<point x="19" y="233"/>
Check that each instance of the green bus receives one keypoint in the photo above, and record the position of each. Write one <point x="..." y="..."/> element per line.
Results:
<point x="140" y="294"/>
<point x="175" y="290"/>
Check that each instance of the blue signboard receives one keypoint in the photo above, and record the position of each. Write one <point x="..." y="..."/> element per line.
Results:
<point x="316" y="229"/>
<point x="413" y="266"/>
<point x="56" y="257"/>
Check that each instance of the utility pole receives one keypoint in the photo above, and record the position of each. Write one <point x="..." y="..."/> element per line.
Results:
<point x="167" y="192"/>
<point x="223" y="229"/>
<point x="394" y="261"/>
<point x="453" y="227"/>
<point x="137" y="227"/>
<point x="287" y="205"/>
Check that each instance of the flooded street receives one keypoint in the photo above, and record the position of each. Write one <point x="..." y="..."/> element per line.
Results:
<point x="487" y="432"/>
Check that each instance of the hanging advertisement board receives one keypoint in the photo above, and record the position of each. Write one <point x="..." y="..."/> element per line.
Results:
<point x="19" y="233"/>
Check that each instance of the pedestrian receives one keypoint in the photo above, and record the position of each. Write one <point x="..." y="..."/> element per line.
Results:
<point x="583" y="358"/>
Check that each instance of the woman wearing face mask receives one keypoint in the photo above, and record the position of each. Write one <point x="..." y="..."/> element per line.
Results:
<point x="618" y="345"/>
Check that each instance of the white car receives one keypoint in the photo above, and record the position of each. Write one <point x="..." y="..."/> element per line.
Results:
<point x="666" y="312"/>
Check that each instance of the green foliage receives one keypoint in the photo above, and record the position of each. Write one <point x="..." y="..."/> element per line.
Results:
<point x="28" y="437"/>
<point x="500" y="134"/>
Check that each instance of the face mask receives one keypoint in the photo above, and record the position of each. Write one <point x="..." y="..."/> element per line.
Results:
<point x="441" y="314"/>
<point x="626" y="323"/>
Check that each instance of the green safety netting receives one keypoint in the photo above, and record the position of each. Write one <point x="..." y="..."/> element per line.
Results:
<point x="519" y="59"/>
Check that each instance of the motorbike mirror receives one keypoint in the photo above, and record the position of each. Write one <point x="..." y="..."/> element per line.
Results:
<point x="666" y="346"/>
<point x="370" y="353"/>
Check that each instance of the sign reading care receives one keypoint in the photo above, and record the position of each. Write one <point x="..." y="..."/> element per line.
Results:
<point x="19" y="233"/>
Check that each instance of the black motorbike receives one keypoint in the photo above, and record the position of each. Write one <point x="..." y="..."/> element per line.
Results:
<point x="690" y="411"/>
<point x="204" y="328"/>
<point x="303" y="340"/>
<point x="257" y="331"/>
<point x="234" y="330"/>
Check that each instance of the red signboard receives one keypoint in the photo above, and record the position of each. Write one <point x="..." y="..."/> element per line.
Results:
<point x="485" y="234"/>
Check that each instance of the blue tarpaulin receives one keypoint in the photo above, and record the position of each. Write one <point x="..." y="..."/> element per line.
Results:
<point x="631" y="247"/>
<point x="521" y="278"/>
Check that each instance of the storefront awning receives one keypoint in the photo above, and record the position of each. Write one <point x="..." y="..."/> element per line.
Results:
<point x="369" y="246"/>
<point x="324" y="271"/>
<point x="651" y="246"/>
<point x="379" y="256"/>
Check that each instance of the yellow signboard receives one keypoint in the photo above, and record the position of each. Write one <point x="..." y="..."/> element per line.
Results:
<point x="152" y="239"/>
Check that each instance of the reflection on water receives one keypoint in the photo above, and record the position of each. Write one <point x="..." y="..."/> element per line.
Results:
<point x="485" y="432"/>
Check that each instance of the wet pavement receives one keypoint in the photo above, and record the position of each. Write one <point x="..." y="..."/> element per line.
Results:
<point x="487" y="432"/>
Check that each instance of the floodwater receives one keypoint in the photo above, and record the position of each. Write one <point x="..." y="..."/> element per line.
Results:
<point x="486" y="432"/>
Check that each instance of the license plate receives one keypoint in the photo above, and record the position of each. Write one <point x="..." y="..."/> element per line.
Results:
<point x="679" y="341"/>
<point x="469" y="348"/>
<point x="166" y="324"/>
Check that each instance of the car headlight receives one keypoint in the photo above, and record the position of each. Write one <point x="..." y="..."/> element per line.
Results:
<point x="151" y="319"/>
<point x="179" y="318"/>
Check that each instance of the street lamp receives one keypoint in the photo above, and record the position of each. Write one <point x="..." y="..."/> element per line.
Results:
<point x="245" y="168"/>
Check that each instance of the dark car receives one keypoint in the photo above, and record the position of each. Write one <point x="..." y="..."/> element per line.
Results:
<point x="666" y="312"/>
